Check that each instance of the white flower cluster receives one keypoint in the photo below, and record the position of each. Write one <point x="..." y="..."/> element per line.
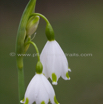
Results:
<point x="55" y="64"/>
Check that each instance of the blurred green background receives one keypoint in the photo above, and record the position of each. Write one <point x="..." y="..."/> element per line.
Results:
<point x="78" y="27"/>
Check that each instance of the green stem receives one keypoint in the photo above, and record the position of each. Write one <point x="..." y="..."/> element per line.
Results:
<point x="49" y="30"/>
<point x="38" y="14"/>
<point x="21" y="84"/>
<point x="37" y="51"/>
<point x="21" y="34"/>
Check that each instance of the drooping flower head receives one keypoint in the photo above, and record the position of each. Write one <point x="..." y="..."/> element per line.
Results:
<point x="54" y="62"/>
<point x="40" y="91"/>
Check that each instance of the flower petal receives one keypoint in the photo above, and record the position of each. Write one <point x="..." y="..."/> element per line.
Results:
<point x="32" y="89"/>
<point x="49" y="89"/>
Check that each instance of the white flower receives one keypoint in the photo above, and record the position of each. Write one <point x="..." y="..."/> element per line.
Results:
<point x="40" y="91"/>
<point x="54" y="62"/>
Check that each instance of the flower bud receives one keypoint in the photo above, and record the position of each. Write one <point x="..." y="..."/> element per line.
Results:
<point x="32" y="25"/>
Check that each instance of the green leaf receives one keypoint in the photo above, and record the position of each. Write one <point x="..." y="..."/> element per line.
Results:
<point x="21" y="34"/>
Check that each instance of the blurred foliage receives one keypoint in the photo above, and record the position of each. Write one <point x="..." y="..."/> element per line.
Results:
<point x="78" y="28"/>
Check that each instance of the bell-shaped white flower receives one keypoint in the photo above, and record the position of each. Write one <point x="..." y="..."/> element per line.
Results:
<point x="40" y="91"/>
<point x="54" y="62"/>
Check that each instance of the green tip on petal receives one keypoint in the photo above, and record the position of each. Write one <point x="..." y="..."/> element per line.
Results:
<point x="43" y="74"/>
<point x="43" y="102"/>
<point x="67" y="75"/>
<point x="22" y="101"/>
<point x="55" y="100"/>
<point x="27" y="101"/>
<point x="49" y="100"/>
<point x="54" y="78"/>
<point x="69" y="69"/>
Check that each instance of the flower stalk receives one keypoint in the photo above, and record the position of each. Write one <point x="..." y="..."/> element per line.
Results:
<point x="36" y="48"/>
<point x="20" y="48"/>
<point x="49" y="30"/>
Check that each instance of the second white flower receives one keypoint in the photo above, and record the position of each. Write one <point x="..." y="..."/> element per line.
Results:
<point x="54" y="62"/>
